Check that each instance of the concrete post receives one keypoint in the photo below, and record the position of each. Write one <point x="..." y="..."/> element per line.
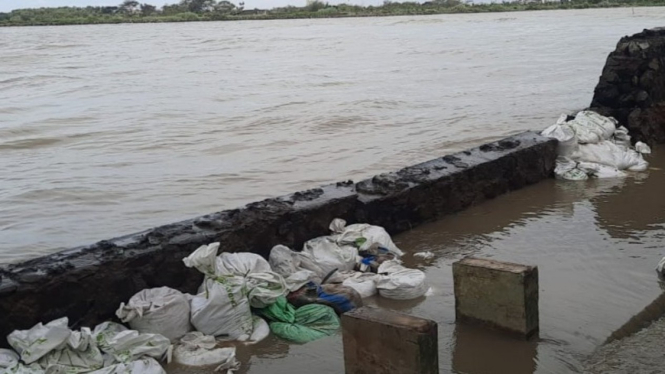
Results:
<point x="379" y="341"/>
<point x="498" y="294"/>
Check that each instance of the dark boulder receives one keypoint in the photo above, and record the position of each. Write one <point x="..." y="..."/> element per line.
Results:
<point x="632" y="86"/>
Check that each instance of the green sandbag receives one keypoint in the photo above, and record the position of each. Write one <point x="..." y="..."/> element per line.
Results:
<point x="312" y="322"/>
<point x="280" y="311"/>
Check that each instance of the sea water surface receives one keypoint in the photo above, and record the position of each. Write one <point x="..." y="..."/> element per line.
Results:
<point x="107" y="130"/>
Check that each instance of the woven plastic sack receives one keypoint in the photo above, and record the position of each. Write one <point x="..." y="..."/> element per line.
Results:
<point x="591" y="127"/>
<point x="312" y="322"/>
<point x="221" y="308"/>
<point x="128" y="346"/>
<point x="40" y="340"/>
<point x="564" y="134"/>
<point x="104" y="332"/>
<point x="363" y="283"/>
<point x="233" y="283"/>
<point x="329" y="255"/>
<point x="197" y="349"/>
<point x="297" y="268"/>
<point x="143" y="366"/>
<point x="79" y="355"/>
<point x="163" y="311"/>
<point x="400" y="283"/>
<point x="8" y="358"/>
<point x="263" y="285"/>
<point x="363" y="236"/>
<point x="609" y="154"/>
<point x="280" y="311"/>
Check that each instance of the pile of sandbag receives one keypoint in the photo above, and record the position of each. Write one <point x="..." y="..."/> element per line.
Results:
<point x="109" y="348"/>
<point x="300" y="294"/>
<point x="591" y="145"/>
<point x="234" y="282"/>
<point x="352" y="256"/>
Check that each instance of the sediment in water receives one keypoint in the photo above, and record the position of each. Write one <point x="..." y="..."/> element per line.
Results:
<point x="88" y="283"/>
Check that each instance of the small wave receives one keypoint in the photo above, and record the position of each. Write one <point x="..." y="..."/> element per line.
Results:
<point x="58" y="46"/>
<point x="34" y="78"/>
<point x="29" y="143"/>
<point x="421" y="21"/>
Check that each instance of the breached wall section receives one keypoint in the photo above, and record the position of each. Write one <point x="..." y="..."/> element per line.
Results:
<point x="632" y="86"/>
<point x="88" y="283"/>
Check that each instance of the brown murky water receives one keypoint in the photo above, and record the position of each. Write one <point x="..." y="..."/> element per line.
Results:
<point x="108" y="130"/>
<point x="596" y="244"/>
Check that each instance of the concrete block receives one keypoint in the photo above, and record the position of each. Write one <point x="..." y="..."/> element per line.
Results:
<point x="379" y="341"/>
<point x="497" y="294"/>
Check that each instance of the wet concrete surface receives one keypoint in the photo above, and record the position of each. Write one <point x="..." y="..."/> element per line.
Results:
<point x="641" y="353"/>
<point x="596" y="244"/>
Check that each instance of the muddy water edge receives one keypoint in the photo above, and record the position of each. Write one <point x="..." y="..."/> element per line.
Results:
<point x="596" y="244"/>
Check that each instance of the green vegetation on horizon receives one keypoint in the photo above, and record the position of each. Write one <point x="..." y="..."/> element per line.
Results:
<point x="132" y="11"/>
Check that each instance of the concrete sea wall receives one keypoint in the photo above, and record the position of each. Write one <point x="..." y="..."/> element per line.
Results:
<point x="88" y="283"/>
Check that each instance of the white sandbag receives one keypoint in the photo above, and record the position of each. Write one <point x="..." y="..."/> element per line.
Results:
<point x="399" y="283"/>
<point x="609" y="154"/>
<point x="329" y="255"/>
<point x="300" y="278"/>
<point x="233" y="282"/>
<point x="197" y="349"/>
<point x="8" y="358"/>
<point x="265" y="288"/>
<point x="567" y="169"/>
<point x="143" y="366"/>
<point x="591" y="127"/>
<point x="23" y="369"/>
<point x="564" y="134"/>
<point x="203" y="259"/>
<point x="289" y="264"/>
<point x="71" y="361"/>
<point x="40" y="340"/>
<point x="642" y="148"/>
<point x="241" y="264"/>
<point x="80" y="355"/>
<point x="260" y="331"/>
<point x="621" y="138"/>
<point x="600" y="171"/>
<point x="282" y="260"/>
<point x="104" y="332"/>
<point x="163" y="311"/>
<point x="307" y="262"/>
<point x="221" y="308"/>
<point x="363" y="283"/>
<point x="363" y="236"/>
<point x="130" y="345"/>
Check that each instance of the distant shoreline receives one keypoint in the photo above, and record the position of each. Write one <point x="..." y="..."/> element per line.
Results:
<point x="93" y="15"/>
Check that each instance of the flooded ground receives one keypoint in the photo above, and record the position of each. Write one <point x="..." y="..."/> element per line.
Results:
<point x="107" y="130"/>
<point x="596" y="244"/>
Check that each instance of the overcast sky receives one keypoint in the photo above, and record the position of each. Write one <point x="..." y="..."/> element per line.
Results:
<point x="7" y="5"/>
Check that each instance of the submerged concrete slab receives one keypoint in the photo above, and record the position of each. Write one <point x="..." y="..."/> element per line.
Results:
<point x="88" y="283"/>
<point x="380" y="341"/>
<point x="501" y="295"/>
